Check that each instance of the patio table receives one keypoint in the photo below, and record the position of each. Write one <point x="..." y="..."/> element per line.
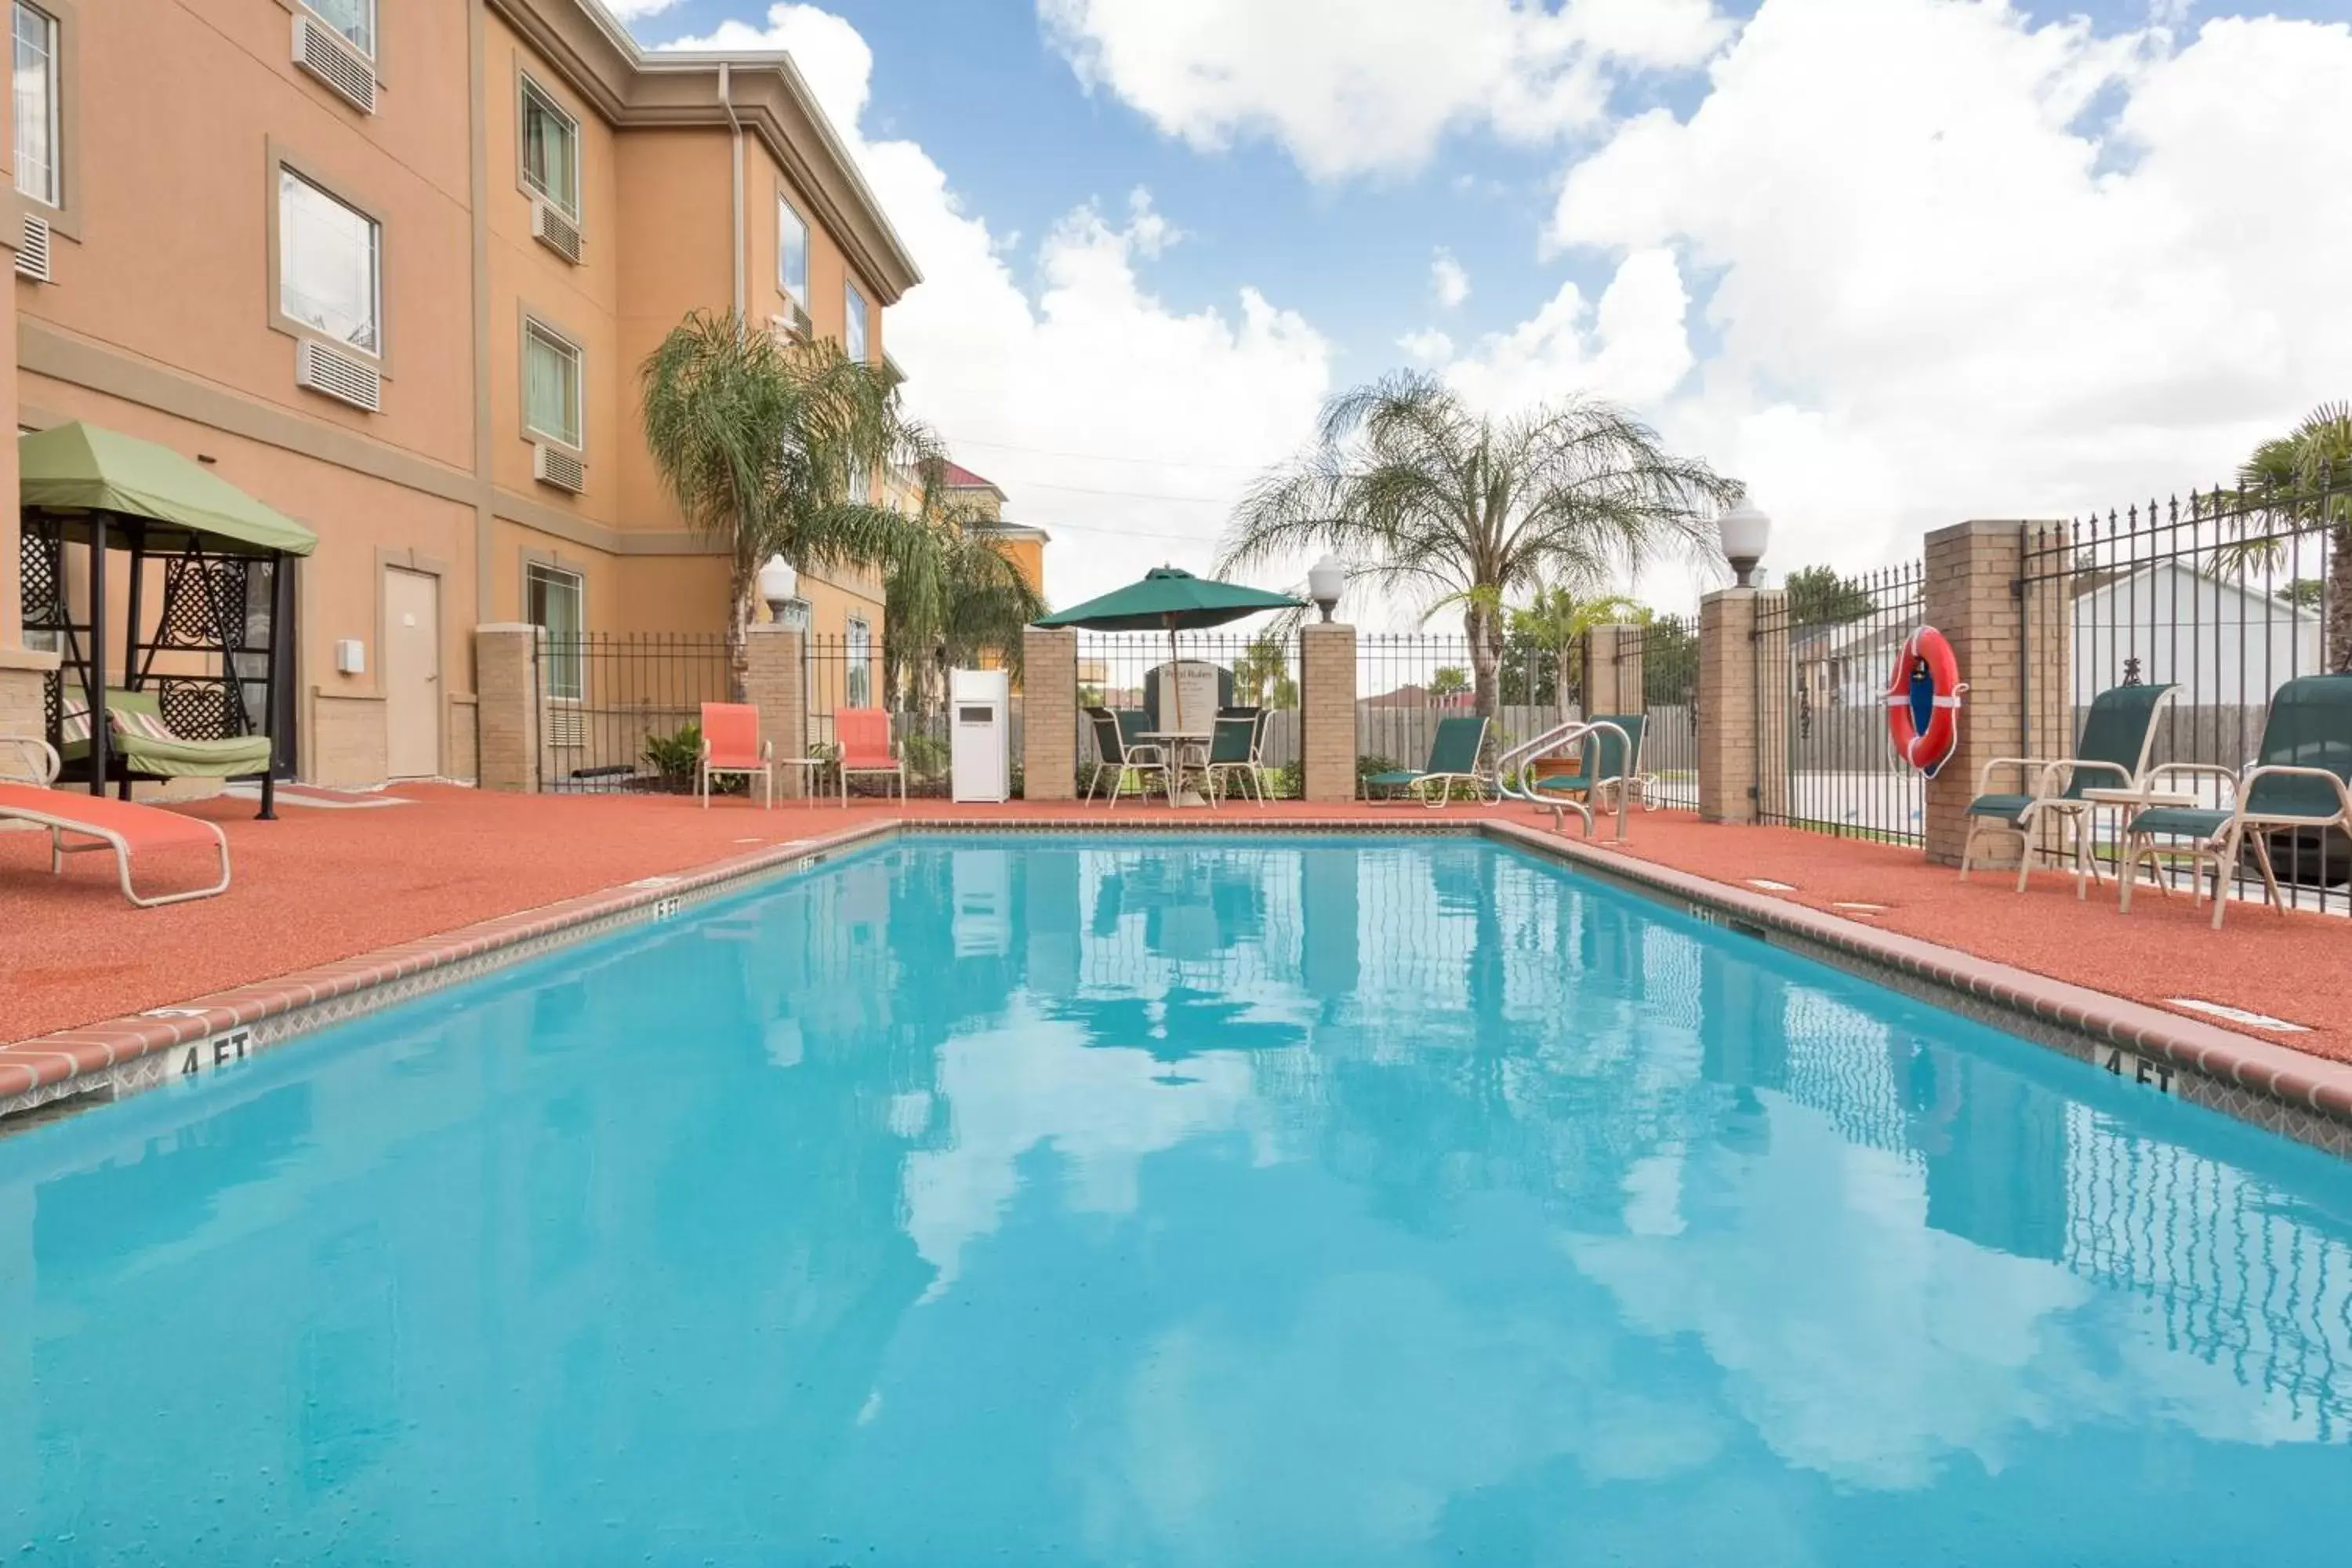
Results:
<point x="1176" y="745"/>
<point x="2125" y="801"/>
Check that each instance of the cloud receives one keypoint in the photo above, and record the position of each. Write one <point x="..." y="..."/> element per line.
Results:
<point x="1074" y="354"/>
<point x="1952" y="264"/>
<point x="631" y="10"/>
<point x="1450" y="282"/>
<point x="1430" y="347"/>
<point x="1352" y="87"/>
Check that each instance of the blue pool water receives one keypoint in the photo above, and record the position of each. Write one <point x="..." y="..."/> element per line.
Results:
<point x="1273" y="1202"/>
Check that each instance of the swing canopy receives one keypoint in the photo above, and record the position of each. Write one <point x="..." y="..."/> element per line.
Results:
<point x="74" y="471"/>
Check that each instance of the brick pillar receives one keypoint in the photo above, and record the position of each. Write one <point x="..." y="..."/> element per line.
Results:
<point x="1049" y="714"/>
<point x="1734" y="728"/>
<point x="1972" y="597"/>
<point x="1326" y="700"/>
<point x="1613" y="670"/>
<point x="776" y="684"/>
<point x="506" y="672"/>
<point x="24" y="676"/>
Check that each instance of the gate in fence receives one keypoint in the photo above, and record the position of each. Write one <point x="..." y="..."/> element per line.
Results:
<point x="2225" y="596"/>
<point x="622" y="712"/>
<point x="1662" y="654"/>
<point x="1822" y="658"/>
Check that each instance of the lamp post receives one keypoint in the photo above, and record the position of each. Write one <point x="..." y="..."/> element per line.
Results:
<point x="1745" y="533"/>
<point x="1326" y="581"/>
<point x="780" y="585"/>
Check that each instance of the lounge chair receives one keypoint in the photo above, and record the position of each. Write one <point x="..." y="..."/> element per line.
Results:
<point x="732" y="744"/>
<point x="1233" y="753"/>
<point x="864" y="736"/>
<point x="1605" y="765"/>
<point x="2300" y="782"/>
<point x="1120" y="757"/>
<point x="121" y="826"/>
<point x="2113" y="754"/>
<point x="1453" y="756"/>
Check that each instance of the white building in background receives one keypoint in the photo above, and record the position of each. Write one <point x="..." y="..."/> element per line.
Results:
<point x="2221" y="643"/>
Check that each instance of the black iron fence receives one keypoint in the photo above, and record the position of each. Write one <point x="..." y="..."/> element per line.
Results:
<point x="1664" y="650"/>
<point x="2225" y="597"/>
<point x="623" y="710"/>
<point x="1131" y="675"/>
<point x="1823" y="758"/>
<point x="842" y="673"/>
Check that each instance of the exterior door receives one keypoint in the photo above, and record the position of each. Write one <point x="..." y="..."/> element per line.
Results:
<point x="412" y="674"/>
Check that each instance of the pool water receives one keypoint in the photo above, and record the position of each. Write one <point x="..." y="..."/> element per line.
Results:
<point x="1214" y="1202"/>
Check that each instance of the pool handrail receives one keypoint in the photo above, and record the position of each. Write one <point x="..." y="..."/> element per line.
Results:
<point x="1513" y="763"/>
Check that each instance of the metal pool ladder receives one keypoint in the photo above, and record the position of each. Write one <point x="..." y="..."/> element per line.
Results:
<point x="1512" y="764"/>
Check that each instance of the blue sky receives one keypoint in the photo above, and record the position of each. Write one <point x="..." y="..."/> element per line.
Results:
<point x="1906" y="130"/>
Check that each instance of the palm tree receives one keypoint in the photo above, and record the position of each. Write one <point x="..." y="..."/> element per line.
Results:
<point x="1436" y="503"/>
<point x="2300" y="481"/>
<point x="1262" y="673"/>
<point x="952" y="601"/>
<point x="760" y="442"/>
<point x="1559" y="620"/>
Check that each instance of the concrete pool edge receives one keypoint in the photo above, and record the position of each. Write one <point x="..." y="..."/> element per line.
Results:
<point x="2274" y="1086"/>
<point x="2277" y="1088"/>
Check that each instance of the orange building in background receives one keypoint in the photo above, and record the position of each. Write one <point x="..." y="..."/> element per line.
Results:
<point x="391" y="267"/>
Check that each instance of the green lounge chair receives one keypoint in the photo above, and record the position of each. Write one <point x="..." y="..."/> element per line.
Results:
<point x="2301" y="782"/>
<point x="1452" y="755"/>
<point x="2113" y="754"/>
<point x="1604" y="763"/>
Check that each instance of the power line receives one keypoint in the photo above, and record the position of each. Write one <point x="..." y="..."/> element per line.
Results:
<point x="1122" y="495"/>
<point x="1107" y="457"/>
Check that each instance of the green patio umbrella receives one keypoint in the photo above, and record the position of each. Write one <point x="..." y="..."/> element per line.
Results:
<point x="76" y="470"/>
<point x="1170" y="598"/>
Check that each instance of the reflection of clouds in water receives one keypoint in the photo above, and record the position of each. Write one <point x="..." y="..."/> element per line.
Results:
<point x="1349" y="1430"/>
<point x="1035" y="1083"/>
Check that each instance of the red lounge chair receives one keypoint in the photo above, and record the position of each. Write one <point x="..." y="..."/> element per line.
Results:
<point x="118" y="825"/>
<point x="732" y="744"/>
<point x="864" y="736"/>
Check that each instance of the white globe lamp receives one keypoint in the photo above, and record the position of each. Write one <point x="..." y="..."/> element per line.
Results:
<point x="1326" y="581"/>
<point x="1746" y="532"/>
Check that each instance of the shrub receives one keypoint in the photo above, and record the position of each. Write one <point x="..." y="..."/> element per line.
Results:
<point x="674" y="757"/>
<point x="925" y="756"/>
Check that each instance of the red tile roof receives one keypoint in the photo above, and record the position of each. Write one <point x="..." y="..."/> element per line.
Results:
<point x="963" y="478"/>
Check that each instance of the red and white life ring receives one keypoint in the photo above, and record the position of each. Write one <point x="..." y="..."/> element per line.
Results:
<point x="1922" y="701"/>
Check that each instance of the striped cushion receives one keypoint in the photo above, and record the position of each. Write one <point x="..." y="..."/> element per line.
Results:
<point x="73" y="728"/>
<point x="132" y="721"/>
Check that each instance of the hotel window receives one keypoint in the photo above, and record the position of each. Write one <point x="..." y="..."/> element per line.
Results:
<point x="551" y="386"/>
<point x="354" y="19"/>
<point x="327" y="277"/>
<point x="860" y="683"/>
<point x="37" y="92"/>
<point x="552" y="599"/>
<point x="853" y="334"/>
<point x="792" y="252"/>
<point x="550" y="150"/>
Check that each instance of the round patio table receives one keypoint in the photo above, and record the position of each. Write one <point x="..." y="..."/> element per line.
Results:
<point x="1177" y="746"/>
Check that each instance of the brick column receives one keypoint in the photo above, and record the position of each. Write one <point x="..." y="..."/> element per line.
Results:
<point x="506" y="672"/>
<point x="1971" y="596"/>
<point x="776" y="684"/>
<point x="1735" y="729"/>
<point x="1326" y="701"/>
<point x="1049" y="714"/>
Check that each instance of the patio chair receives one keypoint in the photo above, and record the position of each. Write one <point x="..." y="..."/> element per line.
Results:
<point x="1120" y="757"/>
<point x="864" y="736"/>
<point x="1452" y="755"/>
<point x="1605" y="765"/>
<point x="1234" y="752"/>
<point x="732" y="744"/>
<point x="2118" y="733"/>
<point x="2300" y="782"/>
<point x="27" y="769"/>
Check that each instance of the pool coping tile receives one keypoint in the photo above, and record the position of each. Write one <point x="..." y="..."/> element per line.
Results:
<point x="2274" y="1086"/>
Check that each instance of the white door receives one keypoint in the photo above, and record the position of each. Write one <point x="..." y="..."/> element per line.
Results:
<point x="412" y="674"/>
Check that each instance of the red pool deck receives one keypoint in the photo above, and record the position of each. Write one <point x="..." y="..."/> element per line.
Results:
<point x="319" y="887"/>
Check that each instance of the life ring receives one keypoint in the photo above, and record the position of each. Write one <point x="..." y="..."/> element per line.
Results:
<point x="1922" y="701"/>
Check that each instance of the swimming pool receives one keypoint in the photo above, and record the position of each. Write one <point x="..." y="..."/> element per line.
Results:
<point x="1219" y="1201"/>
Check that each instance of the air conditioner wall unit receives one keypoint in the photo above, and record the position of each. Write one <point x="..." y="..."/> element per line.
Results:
<point x="553" y="230"/>
<point x="326" y="55"/>
<point x="551" y="464"/>
<point x="331" y="372"/>
<point x="33" y="250"/>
